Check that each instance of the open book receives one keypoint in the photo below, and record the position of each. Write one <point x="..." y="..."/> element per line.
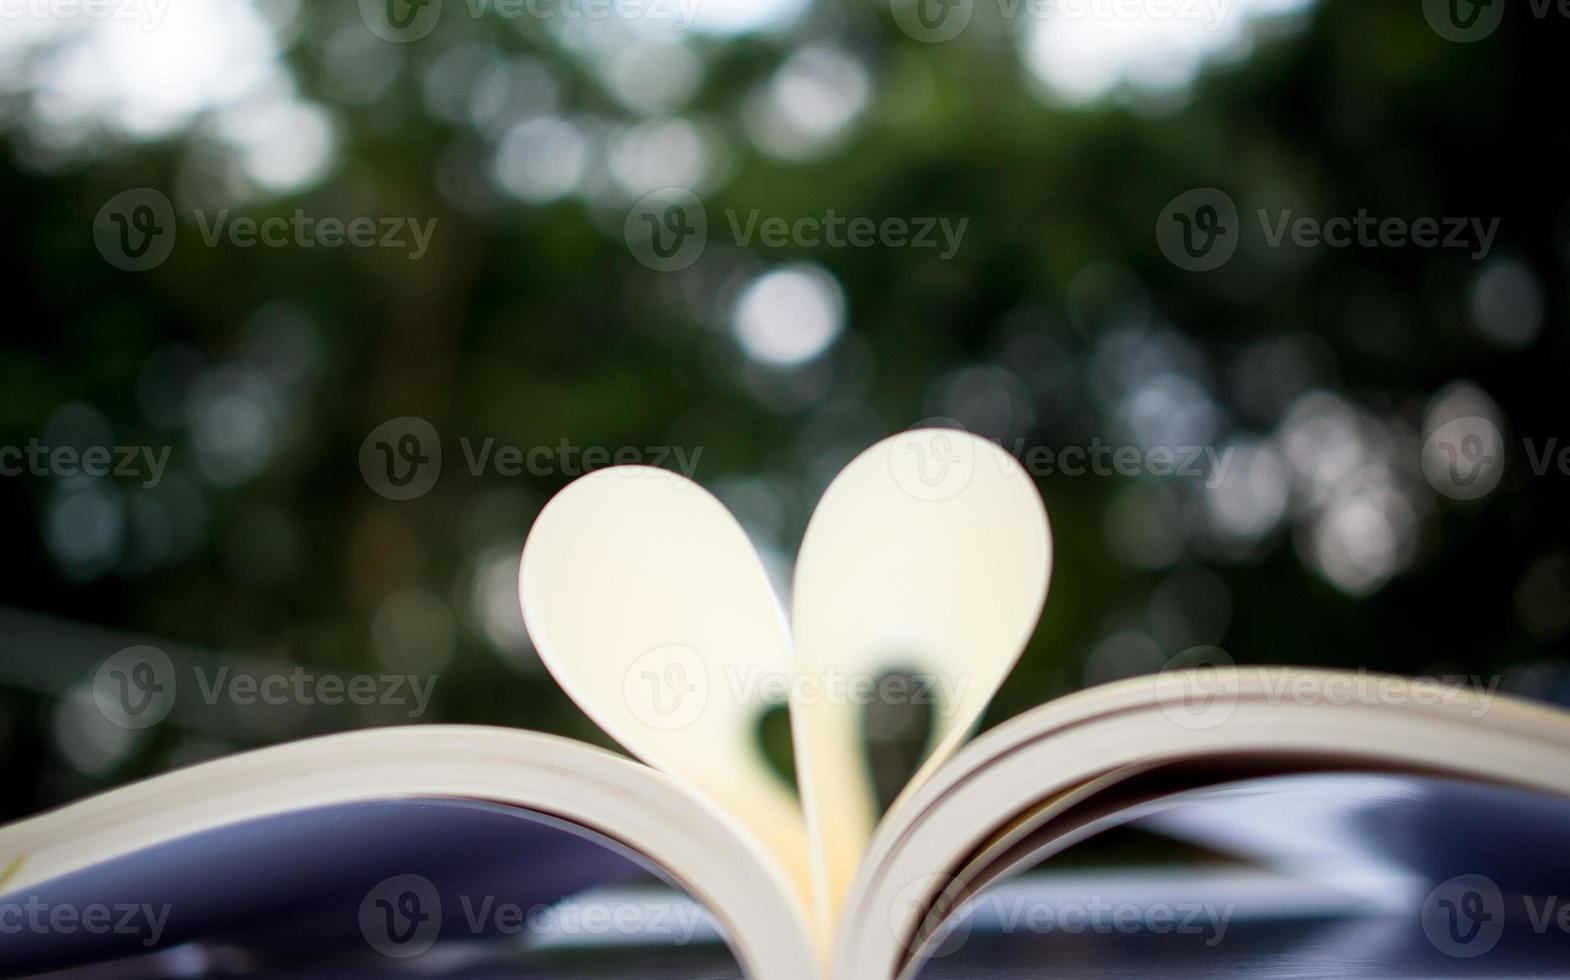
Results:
<point x="921" y="577"/>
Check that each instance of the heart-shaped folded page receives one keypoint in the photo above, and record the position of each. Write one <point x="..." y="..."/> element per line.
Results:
<point x="930" y="555"/>
<point x="651" y="608"/>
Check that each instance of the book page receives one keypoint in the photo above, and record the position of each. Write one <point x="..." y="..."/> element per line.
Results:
<point x="929" y="553"/>
<point x="651" y="609"/>
<point x="645" y="811"/>
<point x="979" y="797"/>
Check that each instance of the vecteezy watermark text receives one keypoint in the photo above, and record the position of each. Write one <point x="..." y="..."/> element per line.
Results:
<point x="1464" y="459"/>
<point x="142" y="463"/>
<point x="1466" y="21"/>
<point x="302" y="230"/>
<point x="1200" y="230"/>
<point x="136" y="230"/>
<point x="401" y="459"/>
<point x="752" y="684"/>
<point x="34" y="915"/>
<point x="930" y="465"/>
<point x="1466" y="916"/>
<point x="943" y="20"/>
<point x="1020" y="914"/>
<point x="138" y="687"/>
<point x="669" y="687"/>
<point x="149" y="12"/>
<point x="1196" y="689"/>
<point x="952" y="911"/>
<point x="403" y="21"/>
<point x="1107" y="459"/>
<point x="834" y="230"/>
<point x="1365" y="230"/>
<point x="669" y="229"/>
<point x="402" y="917"/>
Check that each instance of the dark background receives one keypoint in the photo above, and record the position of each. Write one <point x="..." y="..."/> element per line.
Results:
<point x="1058" y="322"/>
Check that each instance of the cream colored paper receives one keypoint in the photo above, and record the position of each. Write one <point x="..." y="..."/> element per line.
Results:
<point x="650" y="607"/>
<point x="929" y="553"/>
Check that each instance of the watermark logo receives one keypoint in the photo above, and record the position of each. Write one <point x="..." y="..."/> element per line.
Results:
<point x="834" y="230"/>
<point x="1467" y="21"/>
<point x="1464" y="21"/>
<point x="143" y="463"/>
<point x="1464" y="459"/>
<point x="1196" y="691"/>
<point x="133" y="919"/>
<point x="675" y="920"/>
<point x="943" y="20"/>
<point x="943" y="693"/>
<point x="403" y="21"/>
<point x="404" y="234"/>
<point x="930" y="463"/>
<point x="667" y="687"/>
<point x="135" y="688"/>
<point x="939" y="930"/>
<point x="299" y="686"/>
<point x="400" y="21"/>
<point x="135" y="230"/>
<point x="149" y="12"/>
<point x="401" y="459"/>
<point x="402" y="916"/>
<point x="1464" y="916"/>
<point x="1198" y="696"/>
<point x="933" y="21"/>
<point x="946" y="913"/>
<point x="1549" y="455"/>
<point x="667" y="230"/>
<point x="1198" y="230"/>
<point x="1103" y="459"/>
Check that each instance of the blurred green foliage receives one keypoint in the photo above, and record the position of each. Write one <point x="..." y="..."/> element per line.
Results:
<point x="531" y="323"/>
